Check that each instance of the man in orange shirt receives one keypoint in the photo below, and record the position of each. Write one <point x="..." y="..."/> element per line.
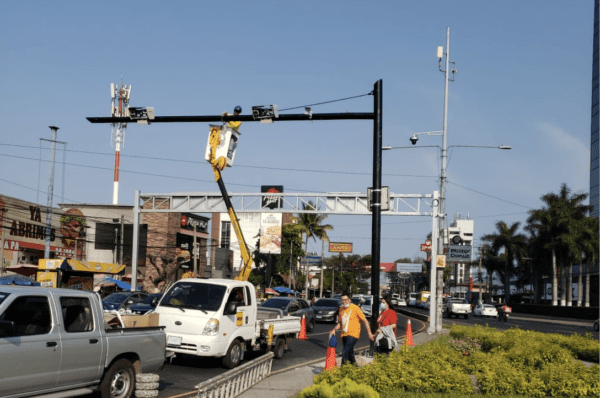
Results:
<point x="349" y="320"/>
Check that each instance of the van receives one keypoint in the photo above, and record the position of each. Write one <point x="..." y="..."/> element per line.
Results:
<point x="412" y="299"/>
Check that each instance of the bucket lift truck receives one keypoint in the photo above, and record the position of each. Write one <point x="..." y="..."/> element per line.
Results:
<point x="220" y="152"/>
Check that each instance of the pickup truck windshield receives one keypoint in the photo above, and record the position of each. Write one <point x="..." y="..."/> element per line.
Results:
<point x="3" y="296"/>
<point x="200" y="296"/>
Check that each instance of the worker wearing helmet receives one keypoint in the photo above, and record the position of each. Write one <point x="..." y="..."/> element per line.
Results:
<point x="234" y="125"/>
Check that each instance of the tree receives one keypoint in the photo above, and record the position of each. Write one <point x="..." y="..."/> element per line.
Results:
<point x="165" y="271"/>
<point x="558" y="223"/>
<point x="311" y="226"/>
<point x="513" y="246"/>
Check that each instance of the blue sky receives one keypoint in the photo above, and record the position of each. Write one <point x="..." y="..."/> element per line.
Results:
<point x="524" y="80"/>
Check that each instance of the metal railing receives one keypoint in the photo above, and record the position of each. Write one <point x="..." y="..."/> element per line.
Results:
<point x="235" y="381"/>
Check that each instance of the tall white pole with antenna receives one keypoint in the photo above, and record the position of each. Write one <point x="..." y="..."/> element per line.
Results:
<point x="50" y="193"/>
<point x="119" y="104"/>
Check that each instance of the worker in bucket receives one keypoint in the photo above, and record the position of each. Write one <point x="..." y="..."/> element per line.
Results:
<point x="234" y="125"/>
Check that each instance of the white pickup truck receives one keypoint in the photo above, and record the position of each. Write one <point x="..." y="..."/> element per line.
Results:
<point x="220" y="318"/>
<point x="456" y="307"/>
<point x="55" y="342"/>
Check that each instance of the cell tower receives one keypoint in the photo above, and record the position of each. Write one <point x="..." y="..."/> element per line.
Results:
<point x="119" y="108"/>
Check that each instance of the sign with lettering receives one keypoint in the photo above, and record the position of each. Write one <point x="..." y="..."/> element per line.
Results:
<point x="271" y="201"/>
<point x="459" y="253"/>
<point x="339" y="247"/>
<point x="190" y="222"/>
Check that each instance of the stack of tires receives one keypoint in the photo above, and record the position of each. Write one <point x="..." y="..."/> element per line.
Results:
<point x="146" y="385"/>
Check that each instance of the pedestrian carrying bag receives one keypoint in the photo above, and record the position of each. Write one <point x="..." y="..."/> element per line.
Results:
<point x="384" y="343"/>
<point x="332" y="341"/>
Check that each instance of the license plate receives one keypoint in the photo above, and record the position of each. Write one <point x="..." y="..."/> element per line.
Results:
<point x="174" y="340"/>
<point x="319" y="317"/>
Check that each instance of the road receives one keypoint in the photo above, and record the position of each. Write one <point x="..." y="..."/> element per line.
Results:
<point x="185" y="372"/>
<point x="536" y="323"/>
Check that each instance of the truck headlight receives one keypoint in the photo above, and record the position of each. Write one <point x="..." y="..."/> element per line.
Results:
<point x="331" y="313"/>
<point x="212" y="327"/>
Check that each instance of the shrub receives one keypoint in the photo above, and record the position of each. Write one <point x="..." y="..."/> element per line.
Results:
<point x="345" y="388"/>
<point x="465" y="344"/>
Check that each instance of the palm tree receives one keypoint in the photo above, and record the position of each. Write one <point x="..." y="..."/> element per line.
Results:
<point x="311" y="225"/>
<point x="558" y="223"/>
<point x="512" y="244"/>
<point x="589" y="247"/>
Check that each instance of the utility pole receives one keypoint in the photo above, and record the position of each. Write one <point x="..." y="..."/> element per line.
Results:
<point x="50" y="192"/>
<point x="122" y="240"/>
<point x="442" y="209"/>
<point x="195" y="253"/>
<point x="322" y="263"/>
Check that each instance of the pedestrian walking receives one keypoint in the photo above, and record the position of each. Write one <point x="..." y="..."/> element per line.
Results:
<point x="349" y="319"/>
<point x="385" y="335"/>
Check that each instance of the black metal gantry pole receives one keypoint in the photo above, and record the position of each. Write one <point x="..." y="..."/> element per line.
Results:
<point x="376" y="203"/>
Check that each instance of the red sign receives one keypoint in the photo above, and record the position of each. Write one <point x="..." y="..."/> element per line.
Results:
<point x="425" y="247"/>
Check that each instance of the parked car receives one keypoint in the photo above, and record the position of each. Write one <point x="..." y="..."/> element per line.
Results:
<point x="357" y="301"/>
<point x="327" y="309"/>
<point x="481" y="309"/>
<point x="295" y="307"/>
<point x="58" y="344"/>
<point x="146" y="305"/>
<point x="122" y="300"/>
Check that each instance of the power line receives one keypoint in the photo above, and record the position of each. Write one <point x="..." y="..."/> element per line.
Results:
<point x="326" y="102"/>
<point x="202" y="163"/>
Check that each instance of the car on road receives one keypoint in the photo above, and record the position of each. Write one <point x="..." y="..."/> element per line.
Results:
<point x="122" y="300"/>
<point x="481" y="309"/>
<point x="146" y="305"/>
<point x="412" y="299"/>
<point x="367" y="306"/>
<point x="401" y="303"/>
<point x="294" y="307"/>
<point x="327" y="309"/>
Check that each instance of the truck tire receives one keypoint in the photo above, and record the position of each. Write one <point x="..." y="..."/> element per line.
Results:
<point x="146" y="378"/>
<point x="279" y="348"/>
<point x="233" y="356"/>
<point x="146" y="386"/>
<point x="311" y="326"/>
<point x="466" y="316"/>
<point x="146" y="393"/>
<point x="118" y="380"/>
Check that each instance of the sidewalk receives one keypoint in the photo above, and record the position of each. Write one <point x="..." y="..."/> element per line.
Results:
<point x="289" y="382"/>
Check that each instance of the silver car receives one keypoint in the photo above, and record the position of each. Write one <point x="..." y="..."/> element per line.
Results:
<point x="295" y="307"/>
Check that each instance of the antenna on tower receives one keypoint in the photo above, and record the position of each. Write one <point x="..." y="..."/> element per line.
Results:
<point x="119" y="95"/>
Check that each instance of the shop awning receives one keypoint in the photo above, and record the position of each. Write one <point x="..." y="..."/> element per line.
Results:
<point x="79" y="265"/>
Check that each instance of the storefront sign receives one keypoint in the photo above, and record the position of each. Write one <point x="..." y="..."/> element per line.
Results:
<point x="190" y="222"/>
<point x="339" y="247"/>
<point x="271" y="202"/>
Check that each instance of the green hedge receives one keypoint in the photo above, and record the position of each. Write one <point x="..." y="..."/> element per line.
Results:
<point x="509" y="363"/>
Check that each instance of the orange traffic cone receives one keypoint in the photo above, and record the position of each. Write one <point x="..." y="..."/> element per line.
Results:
<point x="408" y="340"/>
<point x="331" y="360"/>
<point x="302" y="335"/>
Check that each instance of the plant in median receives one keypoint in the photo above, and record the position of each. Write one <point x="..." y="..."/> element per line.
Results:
<point x="465" y="345"/>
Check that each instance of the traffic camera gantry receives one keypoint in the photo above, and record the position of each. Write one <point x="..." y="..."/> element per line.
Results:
<point x="269" y="114"/>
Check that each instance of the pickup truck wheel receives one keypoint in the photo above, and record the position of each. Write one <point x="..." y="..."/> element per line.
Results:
<point x="279" y="348"/>
<point x="311" y="326"/>
<point x="233" y="356"/>
<point x="119" y="380"/>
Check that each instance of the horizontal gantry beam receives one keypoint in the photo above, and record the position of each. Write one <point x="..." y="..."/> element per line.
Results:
<point x="326" y="203"/>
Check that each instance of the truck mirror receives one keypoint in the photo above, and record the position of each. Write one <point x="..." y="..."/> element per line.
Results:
<point x="7" y="329"/>
<point x="154" y="301"/>
<point x="230" y="309"/>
